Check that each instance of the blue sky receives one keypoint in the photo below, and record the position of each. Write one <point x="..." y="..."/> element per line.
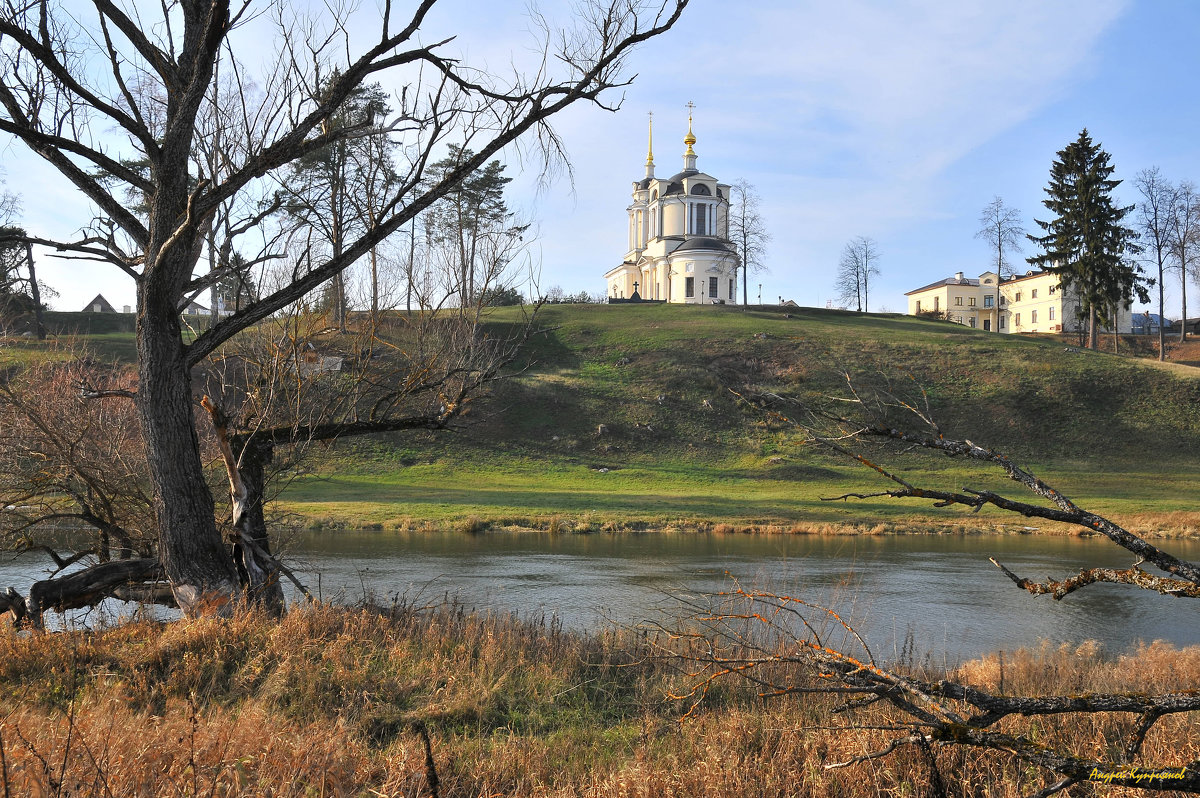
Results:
<point x="897" y="120"/>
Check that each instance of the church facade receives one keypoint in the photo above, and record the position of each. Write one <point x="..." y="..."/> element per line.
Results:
<point x="678" y="238"/>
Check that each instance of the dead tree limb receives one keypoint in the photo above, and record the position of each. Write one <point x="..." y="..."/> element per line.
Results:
<point x="779" y="656"/>
<point x="92" y="585"/>
<point x="770" y="641"/>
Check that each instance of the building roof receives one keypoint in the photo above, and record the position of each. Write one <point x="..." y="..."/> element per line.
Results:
<point x="1029" y="275"/>
<point x="703" y="242"/>
<point x="675" y="181"/>
<point x="940" y="283"/>
<point x="105" y="307"/>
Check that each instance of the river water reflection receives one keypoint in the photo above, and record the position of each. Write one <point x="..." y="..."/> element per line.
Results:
<point x="940" y="591"/>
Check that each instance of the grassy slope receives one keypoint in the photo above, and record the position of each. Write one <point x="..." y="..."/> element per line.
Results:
<point x="1115" y="433"/>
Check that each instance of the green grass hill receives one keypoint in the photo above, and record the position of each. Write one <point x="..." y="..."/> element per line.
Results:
<point x="625" y="417"/>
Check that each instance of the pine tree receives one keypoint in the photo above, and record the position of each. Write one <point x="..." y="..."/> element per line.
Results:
<point x="1086" y="244"/>
<point x="468" y="214"/>
<point x="328" y="188"/>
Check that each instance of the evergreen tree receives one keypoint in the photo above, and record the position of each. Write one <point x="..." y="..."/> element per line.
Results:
<point x="325" y="194"/>
<point x="464" y="220"/>
<point x="1086" y="244"/>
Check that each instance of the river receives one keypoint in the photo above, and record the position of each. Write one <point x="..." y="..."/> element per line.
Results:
<point x="940" y="592"/>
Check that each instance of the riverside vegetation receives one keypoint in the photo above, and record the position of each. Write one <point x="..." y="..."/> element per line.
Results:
<point x="332" y="701"/>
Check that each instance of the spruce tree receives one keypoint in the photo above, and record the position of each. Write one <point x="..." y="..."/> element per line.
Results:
<point x="1085" y="243"/>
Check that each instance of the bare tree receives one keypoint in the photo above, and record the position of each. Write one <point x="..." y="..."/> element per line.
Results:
<point x="784" y="645"/>
<point x="1000" y="226"/>
<point x="747" y="231"/>
<point x="57" y="101"/>
<point x="858" y="266"/>
<point x="1154" y="223"/>
<point x="1183" y="236"/>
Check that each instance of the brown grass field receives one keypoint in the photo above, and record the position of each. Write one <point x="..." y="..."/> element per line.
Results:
<point x="329" y="702"/>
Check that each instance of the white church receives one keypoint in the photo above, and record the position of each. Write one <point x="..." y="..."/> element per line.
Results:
<point x="678" y="237"/>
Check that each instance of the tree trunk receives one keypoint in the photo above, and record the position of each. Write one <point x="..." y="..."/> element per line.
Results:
<point x="196" y="562"/>
<point x="262" y="578"/>
<point x="90" y="586"/>
<point x="1093" y="333"/>
<point x="35" y="293"/>
<point x="1162" y="330"/>
<point x="1183" y="299"/>
<point x="374" y="285"/>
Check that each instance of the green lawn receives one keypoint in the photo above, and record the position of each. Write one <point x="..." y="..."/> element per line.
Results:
<point x="1115" y="433"/>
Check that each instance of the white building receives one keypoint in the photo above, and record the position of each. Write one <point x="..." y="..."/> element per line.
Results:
<point x="678" y="237"/>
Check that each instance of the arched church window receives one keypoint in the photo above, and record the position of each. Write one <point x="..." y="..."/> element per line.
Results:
<point x="701" y="190"/>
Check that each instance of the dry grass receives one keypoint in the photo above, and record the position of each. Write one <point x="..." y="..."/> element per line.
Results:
<point x="326" y="702"/>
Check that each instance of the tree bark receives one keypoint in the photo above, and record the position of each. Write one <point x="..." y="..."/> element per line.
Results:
<point x="35" y="293"/>
<point x="193" y="555"/>
<point x="1183" y="301"/>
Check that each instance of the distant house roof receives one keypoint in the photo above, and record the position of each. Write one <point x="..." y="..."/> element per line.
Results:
<point x="98" y="305"/>
<point x="1016" y="278"/>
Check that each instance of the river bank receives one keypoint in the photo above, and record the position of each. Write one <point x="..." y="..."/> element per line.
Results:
<point x="334" y="701"/>
<point x="1184" y="526"/>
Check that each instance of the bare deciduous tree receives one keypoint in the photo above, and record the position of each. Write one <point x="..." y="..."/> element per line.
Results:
<point x="858" y="266"/>
<point x="747" y="231"/>
<point x="1000" y="226"/>
<point x="1183" y="235"/>
<point x="69" y="91"/>
<point x="1154" y="223"/>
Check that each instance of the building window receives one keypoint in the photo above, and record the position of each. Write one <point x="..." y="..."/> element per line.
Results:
<point x="971" y="301"/>
<point x="699" y="216"/>
<point x="988" y="301"/>
<point x="731" y="289"/>
<point x="1017" y="320"/>
<point x="689" y="287"/>
<point x="1018" y="297"/>
<point x="958" y="301"/>
<point x="1051" y="314"/>
<point x="918" y="306"/>
<point x="1033" y="317"/>
<point x="1033" y="293"/>
<point x="712" y="287"/>
<point x="972" y="321"/>
<point x="937" y="301"/>
<point x="1001" y="322"/>
<point x="1003" y="299"/>
<point x="1053" y="288"/>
